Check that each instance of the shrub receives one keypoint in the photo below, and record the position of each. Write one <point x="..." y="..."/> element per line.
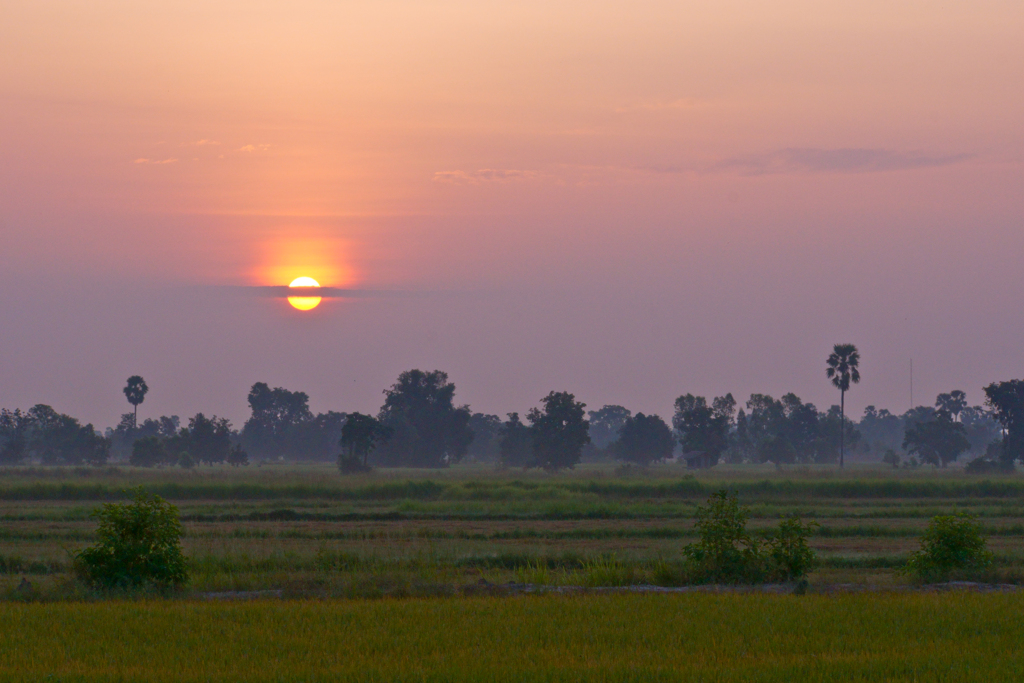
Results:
<point x="727" y="553"/>
<point x="789" y="556"/>
<point x="139" y="544"/>
<point x="952" y="545"/>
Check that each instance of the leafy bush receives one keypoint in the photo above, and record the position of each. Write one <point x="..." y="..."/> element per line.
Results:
<point x="139" y="544"/>
<point x="789" y="556"/>
<point x="727" y="553"/>
<point x="952" y="545"/>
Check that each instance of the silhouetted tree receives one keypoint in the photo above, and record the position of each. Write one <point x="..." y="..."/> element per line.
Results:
<point x="833" y="429"/>
<point x="802" y="428"/>
<point x="766" y="425"/>
<point x="486" y="435"/>
<point x="982" y="430"/>
<point x="14" y="430"/>
<point x="644" y="439"/>
<point x="149" y="451"/>
<point x="938" y="441"/>
<point x="891" y="457"/>
<point x="237" y="457"/>
<point x="789" y="430"/>
<point x="559" y="431"/>
<point x="703" y="428"/>
<point x="208" y="439"/>
<point x="515" y="444"/>
<point x="272" y="429"/>
<point x="917" y="414"/>
<point x="359" y="437"/>
<point x="953" y="403"/>
<point x="428" y="429"/>
<point x="124" y="436"/>
<point x="882" y="430"/>
<point x="317" y="438"/>
<point x="778" y="449"/>
<point x="843" y="369"/>
<point x="1006" y="401"/>
<point x="606" y="423"/>
<point x="58" y="439"/>
<point x="135" y="391"/>
<point x="740" y="448"/>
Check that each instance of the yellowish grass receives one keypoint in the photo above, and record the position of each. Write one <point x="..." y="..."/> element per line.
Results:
<point x="689" y="637"/>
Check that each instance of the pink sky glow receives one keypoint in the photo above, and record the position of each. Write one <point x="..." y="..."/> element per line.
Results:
<point x="629" y="201"/>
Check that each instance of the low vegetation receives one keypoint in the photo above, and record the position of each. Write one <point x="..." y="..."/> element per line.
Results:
<point x="307" y="531"/>
<point x="952" y="546"/>
<point x="138" y="545"/>
<point x="687" y="637"/>
<point x="728" y="553"/>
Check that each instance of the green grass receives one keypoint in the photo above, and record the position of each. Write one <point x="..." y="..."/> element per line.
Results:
<point x="565" y="490"/>
<point x="689" y="637"/>
<point x="407" y="532"/>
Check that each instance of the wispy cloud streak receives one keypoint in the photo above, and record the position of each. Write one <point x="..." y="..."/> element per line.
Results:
<point x="846" y="160"/>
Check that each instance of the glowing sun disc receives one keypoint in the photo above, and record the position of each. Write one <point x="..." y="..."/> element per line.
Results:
<point x="304" y="303"/>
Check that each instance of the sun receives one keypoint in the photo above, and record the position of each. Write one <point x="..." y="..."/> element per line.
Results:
<point x="304" y="303"/>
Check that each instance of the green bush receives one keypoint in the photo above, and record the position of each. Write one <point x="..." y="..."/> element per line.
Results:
<point x="727" y="553"/>
<point x="139" y="545"/>
<point x="789" y="556"/>
<point x="952" y="546"/>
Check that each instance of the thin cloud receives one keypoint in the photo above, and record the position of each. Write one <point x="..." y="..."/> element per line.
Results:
<point x="483" y="175"/>
<point x="201" y="143"/>
<point x="847" y="160"/>
<point x="143" y="160"/>
<point x="253" y="148"/>
<point x="283" y="292"/>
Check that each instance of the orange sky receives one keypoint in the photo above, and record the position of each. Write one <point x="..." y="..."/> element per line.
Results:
<point x="791" y="173"/>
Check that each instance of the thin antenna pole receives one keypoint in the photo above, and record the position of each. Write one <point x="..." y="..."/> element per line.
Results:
<point x="911" y="383"/>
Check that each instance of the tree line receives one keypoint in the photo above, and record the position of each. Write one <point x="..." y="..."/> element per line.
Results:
<point x="421" y="425"/>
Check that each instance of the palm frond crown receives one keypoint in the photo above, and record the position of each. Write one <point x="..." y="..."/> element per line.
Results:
<point x="843" y="366"/>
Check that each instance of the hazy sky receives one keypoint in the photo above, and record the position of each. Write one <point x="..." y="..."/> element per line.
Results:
<point x="629" y="201"/>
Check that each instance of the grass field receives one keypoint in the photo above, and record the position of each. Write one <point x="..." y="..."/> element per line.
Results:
<point x="412" y="575"/>
<point x="308" y="531"/>
<point x="680" y="637"/>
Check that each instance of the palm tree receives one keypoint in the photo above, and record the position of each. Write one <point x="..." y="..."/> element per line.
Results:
<point x="843" y="364"/>
<point x="953" y="403"/>
<point x="135" y="392"/>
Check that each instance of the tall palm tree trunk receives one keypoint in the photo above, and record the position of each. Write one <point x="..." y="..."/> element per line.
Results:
<point x="842" y="427"/>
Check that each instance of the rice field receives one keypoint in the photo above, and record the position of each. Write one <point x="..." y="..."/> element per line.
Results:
<point x="679" y="637"/>
<point x="309" y="532"/>
<point x="454" y="575"/>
